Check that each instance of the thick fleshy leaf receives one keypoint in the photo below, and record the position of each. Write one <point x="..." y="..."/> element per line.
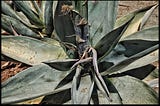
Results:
<point x="99" y="98"/>
<point x="136" y="22"/>
<point x="146" y="16"/>
<point x="109" y="41"/>
<point x="29" y="50"/>
<point x="140" y="73"/>
<point x="134" y="25"/>
<point x="20" y="28"/>
<point x="149" y="34"/>
<point x="116" y="55"/>
<point x="140" y="57"/>
<point x="48" y="17"/>
<point x="133" y="44"/>
<point x="63" y="65"/>
<point x="7" y="10"/>
<point x="102" y="86"/>
<point x="51" y="41"/>
<point x="70" y="49"/>
<point x="54" y="8"/>
<point x="75" y="84"/>
<point x="123" y="19"/>
<point x="148" y="59"/>
<point x="57" y="98"/>
<point x="30" y="14"/>
<point x="104" y="65"/>
<point x="101" y="18"/>
<point x="81" y="7"/>
<point x="66" y="80"/>
<point x="30" y="5"/>
<point x="37" y="8"/>
<point x="134" y="91"/>
<point x="84" y="91"/>
<point x="63" y="24"/>
<point x="42" y="7"/>
<point x="6" y="58"/>
<point x="59" y="91"/>
<point x="31" y="83"/>
<point x="136" y="46"/>
<point x="102" y="100"/>
<point x="126" y="17"/>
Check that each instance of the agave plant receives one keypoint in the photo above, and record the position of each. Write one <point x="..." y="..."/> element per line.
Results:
<point x="79" y="52"/>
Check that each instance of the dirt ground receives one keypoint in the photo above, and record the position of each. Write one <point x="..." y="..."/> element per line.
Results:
<point x="9" y="69"/>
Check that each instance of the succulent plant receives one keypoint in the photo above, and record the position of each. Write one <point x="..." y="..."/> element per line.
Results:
<point x="78" y="52"/>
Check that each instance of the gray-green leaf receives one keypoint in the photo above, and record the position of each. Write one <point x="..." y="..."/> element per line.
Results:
<point x="33" y="82"/>
<point x="63" y="24"/>
<point x="101" y="17"/>
<point x="29" y="50"/>
<point x="109" y="41"/>
<point x="63" y="65"/>
<point x="134" y="91"/>
<point x="120" y="67"/>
